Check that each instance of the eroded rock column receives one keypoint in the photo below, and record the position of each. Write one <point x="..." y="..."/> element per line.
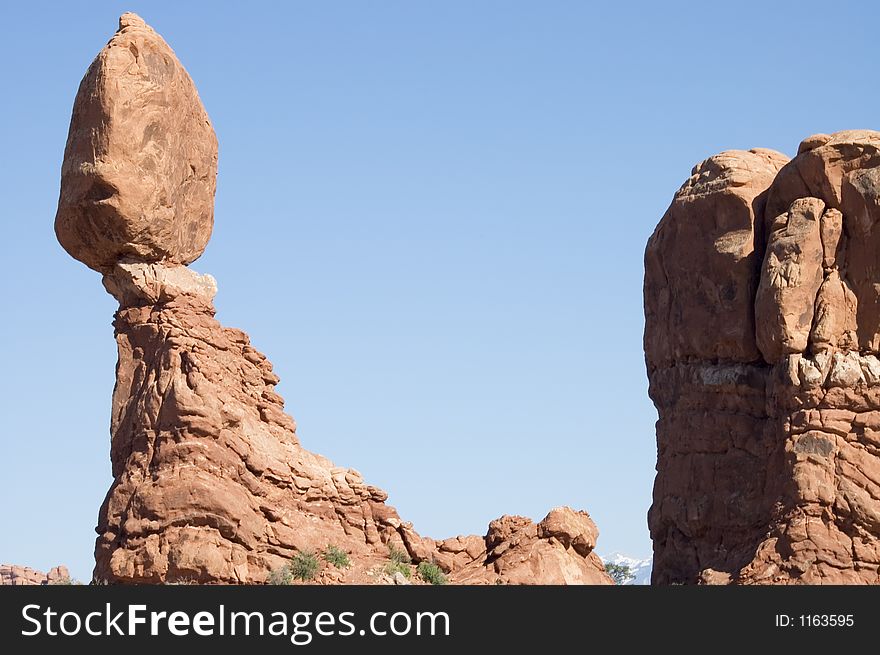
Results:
<point x="706" y="375"/>
<point x="784" y="488"/>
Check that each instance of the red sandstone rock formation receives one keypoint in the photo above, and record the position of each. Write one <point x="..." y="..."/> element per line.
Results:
<point x="762" y="329"/>
<point x="140" y="165"/>
<point x="10" y="574"/>
<point x="210" y="481"/>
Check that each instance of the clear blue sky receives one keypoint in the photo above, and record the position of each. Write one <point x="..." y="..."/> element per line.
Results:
<point x="431" y="216"/>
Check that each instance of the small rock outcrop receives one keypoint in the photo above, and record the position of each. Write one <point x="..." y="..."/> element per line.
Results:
<point x="557" y="551"/>
<point x="762" y="335"/>
<point x="10" y="574"/>
<point x="211" y="484"/>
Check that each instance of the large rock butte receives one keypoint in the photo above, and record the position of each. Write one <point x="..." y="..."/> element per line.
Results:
<point x="211" y="484"/>
<point x="762" y="330"/>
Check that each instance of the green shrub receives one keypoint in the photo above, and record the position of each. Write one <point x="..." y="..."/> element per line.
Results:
<point x="304" y="566"/>
<point x="620" y="573"/>
<point x="430" y="572"/>
<point x="393" y="567"/>
<point x="398" y="555"/>
<point x="337" y="557"/>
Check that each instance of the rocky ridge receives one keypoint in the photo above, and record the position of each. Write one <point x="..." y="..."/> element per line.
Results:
<point x="10" y="574"/>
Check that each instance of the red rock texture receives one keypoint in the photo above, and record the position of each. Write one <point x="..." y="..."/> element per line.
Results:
<point x="140" y="165"/>
<point x="211" y="484"/>
<point x="10" y="574"/>
<point x="558" y="550"/>
<point x="768" y="466"/>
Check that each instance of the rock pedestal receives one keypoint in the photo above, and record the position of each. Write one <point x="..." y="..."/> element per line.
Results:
<point x="211" y="484"/>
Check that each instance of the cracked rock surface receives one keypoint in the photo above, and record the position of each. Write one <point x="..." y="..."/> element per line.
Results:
<point x="762" y="329"/>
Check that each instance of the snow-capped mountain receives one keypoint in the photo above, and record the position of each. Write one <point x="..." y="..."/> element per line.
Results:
<point x="641" y="568"/>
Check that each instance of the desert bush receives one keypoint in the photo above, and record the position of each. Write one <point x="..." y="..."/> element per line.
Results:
<point x="620" y="573"/>
<point x="337" y="557"/>
<point x="398" y="555"/>
<point x="280" y="576"/>
<point x="430" y="572"/>
<point x="304" y="566"/>
<point x="393" y="567"/>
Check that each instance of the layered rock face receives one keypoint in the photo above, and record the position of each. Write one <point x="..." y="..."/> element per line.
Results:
<point x="10" y="574"/>
<point x="211" y="484"/>
<point x="762" y="329"/>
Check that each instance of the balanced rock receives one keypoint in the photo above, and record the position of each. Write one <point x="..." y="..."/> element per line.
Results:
<point x="210" y="481"/>
<point x="768" y="467"/>
<point x="140" y="164"/>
